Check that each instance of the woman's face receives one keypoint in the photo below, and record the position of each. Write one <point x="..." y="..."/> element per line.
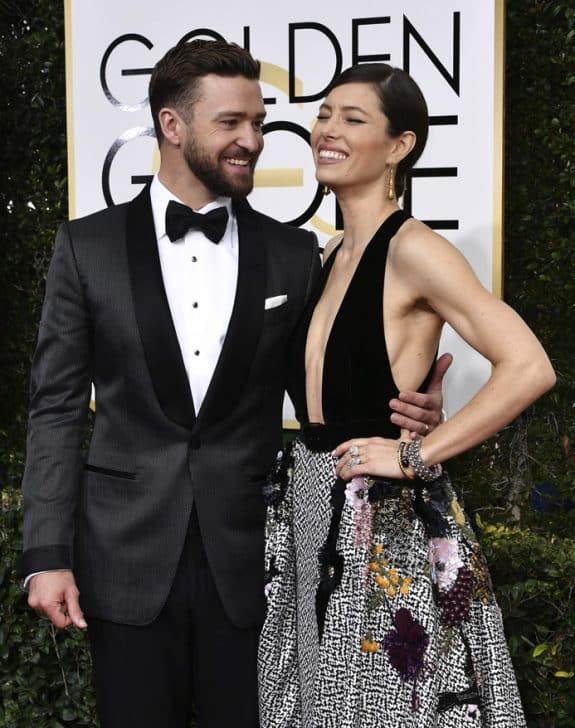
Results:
<point x="349" y="140"/>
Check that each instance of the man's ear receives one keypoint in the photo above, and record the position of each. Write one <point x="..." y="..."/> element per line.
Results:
<point x="402" y="145"/>
<point x="172" y="125"/>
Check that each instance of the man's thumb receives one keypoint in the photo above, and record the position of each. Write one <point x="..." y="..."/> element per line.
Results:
<point x="439" y="371"/>
<point x="74" y="611"/>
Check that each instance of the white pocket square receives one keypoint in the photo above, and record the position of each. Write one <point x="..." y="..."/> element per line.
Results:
<point x="275" y="301"/>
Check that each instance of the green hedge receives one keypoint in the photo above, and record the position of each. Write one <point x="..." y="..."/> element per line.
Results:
<point x="45" y="676"/>
<point x="535" y="577"/>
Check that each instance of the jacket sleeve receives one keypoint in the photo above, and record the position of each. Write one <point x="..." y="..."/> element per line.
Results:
<point x="60" y="391"/>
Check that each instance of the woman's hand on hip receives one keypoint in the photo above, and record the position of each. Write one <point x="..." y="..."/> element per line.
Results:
<point x="375" y="456"/>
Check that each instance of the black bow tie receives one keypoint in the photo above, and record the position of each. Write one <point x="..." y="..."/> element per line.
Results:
<point x="179" y="219"/>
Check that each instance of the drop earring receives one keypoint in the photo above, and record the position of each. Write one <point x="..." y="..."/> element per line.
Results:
<point x="326" y="190"/>
<point x="391" y="189"/>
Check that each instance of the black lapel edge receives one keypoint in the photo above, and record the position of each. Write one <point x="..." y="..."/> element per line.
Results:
<point x="246" y="322"/>
<point x="157" y="332"/>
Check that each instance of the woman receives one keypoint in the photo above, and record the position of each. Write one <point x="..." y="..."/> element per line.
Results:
<point x="380" y="608"/>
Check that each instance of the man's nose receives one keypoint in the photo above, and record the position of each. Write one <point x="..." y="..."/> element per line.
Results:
<point x="251" y="138"/>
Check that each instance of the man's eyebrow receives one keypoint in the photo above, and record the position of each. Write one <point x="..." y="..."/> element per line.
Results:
<point x="239" y="114"/>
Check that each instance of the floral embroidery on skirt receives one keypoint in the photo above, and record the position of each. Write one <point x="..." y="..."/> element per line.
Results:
<point x="380" y="607"/>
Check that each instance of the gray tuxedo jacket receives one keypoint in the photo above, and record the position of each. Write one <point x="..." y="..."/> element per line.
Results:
<point x="118" y="517"/>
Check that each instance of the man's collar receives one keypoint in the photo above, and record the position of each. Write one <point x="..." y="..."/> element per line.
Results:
<point x="160" y="195"/>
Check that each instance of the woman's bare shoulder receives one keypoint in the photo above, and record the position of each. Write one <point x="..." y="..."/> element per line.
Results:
<point x="415" y="238"/>
<point x="331" y="245"/>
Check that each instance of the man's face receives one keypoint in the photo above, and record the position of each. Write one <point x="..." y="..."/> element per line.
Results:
<point x="224" y="136"/>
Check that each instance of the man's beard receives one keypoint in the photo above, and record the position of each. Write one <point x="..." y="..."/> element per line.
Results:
<point x="213" y="177"/>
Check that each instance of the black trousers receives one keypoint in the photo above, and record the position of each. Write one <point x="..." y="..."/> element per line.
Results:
<point x="190" y="655"/>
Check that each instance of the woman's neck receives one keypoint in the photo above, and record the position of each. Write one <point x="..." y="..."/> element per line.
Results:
<point x="362" y="216"/>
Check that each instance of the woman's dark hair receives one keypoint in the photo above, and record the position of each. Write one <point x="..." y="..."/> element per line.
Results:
<point x="176" y="77"/>
<point x="401" y="101"/>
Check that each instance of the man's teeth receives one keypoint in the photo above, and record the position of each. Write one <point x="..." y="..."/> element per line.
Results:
<point x="239" y="162"/>
<point x="329" y="154"/>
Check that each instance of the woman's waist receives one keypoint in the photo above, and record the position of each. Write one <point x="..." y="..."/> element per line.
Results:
<point x="319" y="437"/>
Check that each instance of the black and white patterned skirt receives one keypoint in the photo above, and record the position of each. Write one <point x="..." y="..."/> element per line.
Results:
<point x="380" y="607"/>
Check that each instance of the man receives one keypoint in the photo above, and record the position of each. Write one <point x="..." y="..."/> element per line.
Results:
<point x="184" y="333"/>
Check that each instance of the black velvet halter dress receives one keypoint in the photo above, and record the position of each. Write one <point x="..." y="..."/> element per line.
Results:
<point x="380" y="607"/>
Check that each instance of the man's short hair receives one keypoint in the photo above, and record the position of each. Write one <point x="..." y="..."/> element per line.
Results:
<point x="176" y="77"/>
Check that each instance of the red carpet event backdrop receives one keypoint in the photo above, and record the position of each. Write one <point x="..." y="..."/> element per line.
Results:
<point x="454" y="50"/>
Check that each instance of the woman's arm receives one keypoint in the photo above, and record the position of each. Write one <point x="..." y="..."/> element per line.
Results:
<point x="521" y="369"/>
<point x="435" y="272"/>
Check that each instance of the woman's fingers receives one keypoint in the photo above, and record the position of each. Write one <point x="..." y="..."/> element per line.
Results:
<point x="375" y="456"/>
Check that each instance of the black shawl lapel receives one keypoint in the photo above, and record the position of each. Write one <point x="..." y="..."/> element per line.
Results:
<point x="157" y="331"/>
<point x="246" y="321"/>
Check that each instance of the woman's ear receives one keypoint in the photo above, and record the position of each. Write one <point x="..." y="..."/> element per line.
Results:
<point x="402" y="146"/>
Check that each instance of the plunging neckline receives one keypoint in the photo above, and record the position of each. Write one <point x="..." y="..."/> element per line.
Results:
<point x="326" y="270"/>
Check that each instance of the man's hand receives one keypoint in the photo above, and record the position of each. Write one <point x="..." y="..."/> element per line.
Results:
<point x="421" y="413"/>
<point x="56" y="595"/>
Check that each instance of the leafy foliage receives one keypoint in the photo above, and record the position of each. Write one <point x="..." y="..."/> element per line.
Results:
<point x="535" y="577"/>
<point x="44" y="674"/>
<point x="522" y="479"/>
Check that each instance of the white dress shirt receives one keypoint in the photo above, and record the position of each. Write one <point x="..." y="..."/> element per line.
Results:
<point x="200" y="279"/>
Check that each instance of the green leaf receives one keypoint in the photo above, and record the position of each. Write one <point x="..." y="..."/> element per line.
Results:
<point x="540" y="649"/>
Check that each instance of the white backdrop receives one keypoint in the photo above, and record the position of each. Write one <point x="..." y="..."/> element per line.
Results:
<point x="452" y="48"/>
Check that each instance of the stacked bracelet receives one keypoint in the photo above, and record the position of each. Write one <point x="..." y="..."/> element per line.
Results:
<point x="408" y="454"/>
<point x="401" y="459"/>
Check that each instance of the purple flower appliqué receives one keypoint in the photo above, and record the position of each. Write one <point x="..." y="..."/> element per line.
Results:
<point x="355" y="493"/>
<point x="444" y="561"/>
<point x="356" y="496"/>
<point x="406" y="644"/>
<point x="473" y="711"/>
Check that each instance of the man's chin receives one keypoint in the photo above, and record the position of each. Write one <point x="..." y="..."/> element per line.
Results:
<point x="235" y="189"/>
<point x="241" y="194"/>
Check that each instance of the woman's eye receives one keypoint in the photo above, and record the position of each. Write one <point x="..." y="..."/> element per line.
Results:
<point x="322" y="117"/>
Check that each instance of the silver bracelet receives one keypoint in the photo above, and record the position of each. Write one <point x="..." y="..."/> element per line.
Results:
<point x="412" y="457"/>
